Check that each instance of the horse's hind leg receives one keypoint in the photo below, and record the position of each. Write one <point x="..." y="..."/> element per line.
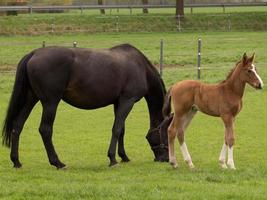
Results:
<point x="46" y="130"/>
<point x="121" y="150"/>
<point x="185" y="120"/>
<point x="172" y="130"/>
<point x="122" y="109"/>
<point x="18" y="126"/>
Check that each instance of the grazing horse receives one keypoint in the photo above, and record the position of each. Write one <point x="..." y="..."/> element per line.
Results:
<point x="219" y="100"/>
<point x="86" y="79"/>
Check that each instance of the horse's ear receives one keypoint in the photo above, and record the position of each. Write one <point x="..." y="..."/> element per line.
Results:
<point x="245" y="58"/>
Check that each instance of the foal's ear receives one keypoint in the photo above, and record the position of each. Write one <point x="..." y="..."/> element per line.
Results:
<point x="245" y="58"/>
<point x="252" y="58"/>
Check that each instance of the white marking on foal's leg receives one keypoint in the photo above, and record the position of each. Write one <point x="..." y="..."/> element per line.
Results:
<point x="186" y="155"/>
<point x="257" y="75"/>
<point x="230" y="161"/>
<point x="222" y="158"/>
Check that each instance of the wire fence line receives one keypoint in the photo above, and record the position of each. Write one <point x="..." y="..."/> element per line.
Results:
<point x="163" y="54"/>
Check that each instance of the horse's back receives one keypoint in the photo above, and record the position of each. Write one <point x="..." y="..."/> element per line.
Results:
<point x="88" y="78"/>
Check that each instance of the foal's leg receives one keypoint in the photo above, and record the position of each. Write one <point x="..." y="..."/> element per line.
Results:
<point x="181" y="132"/>
<point x="229" y="141"/>
<point x="122" y="109"/>
<point x="46" y="130"/>
<point x="18" y="126"/>
<point x="222" y="158"/>
<point x="172" y="130"/>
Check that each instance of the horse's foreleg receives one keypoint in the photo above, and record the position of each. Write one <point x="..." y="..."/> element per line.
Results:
<point x="222" y="158"/>
<point x="46" y="130"/>
<point x="229" y="139"/>
<point x="121" y="109"/>
<point x="18" y="126"/>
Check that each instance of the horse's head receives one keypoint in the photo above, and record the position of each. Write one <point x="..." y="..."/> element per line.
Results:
<point x="158" y="140"/>
<point x="249" y="72"/>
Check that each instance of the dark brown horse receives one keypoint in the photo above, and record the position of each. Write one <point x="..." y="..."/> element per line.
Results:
<point x="86" y="79"/>
<point x="222" y="100"/>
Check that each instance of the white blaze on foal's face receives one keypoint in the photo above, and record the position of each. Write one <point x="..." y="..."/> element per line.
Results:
<point x="253" y="69"/>
<point x="253" y="77"/>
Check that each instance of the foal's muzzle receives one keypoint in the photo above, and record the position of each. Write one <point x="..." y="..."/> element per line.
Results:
<point x="259" y="86"/>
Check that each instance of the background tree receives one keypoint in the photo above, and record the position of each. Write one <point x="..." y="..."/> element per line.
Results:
<point x="180" y="7"/>
<point x="145" y="10"/>
<point x="100" y="2"/>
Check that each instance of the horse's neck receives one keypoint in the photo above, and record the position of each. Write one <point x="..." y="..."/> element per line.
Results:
<point x="235" y="84"/>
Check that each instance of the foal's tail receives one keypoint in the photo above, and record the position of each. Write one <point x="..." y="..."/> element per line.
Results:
<point x="17" y="100"/>
<point x="166" y="110"/>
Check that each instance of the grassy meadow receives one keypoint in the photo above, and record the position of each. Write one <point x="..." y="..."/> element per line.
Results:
<point x="158" y="20"/>
<point x="82" y="137"/>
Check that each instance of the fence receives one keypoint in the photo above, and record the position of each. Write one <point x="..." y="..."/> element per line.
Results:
<point x="32" y="8"/>
<point x="164" y="56"/>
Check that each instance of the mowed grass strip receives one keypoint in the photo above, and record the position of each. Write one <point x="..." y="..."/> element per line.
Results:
<point x="82" y="137"/>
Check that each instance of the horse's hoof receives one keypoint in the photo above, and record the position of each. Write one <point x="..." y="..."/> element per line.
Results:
<point x="125" y="159"/>
<point x="59" y="165"/>
<point x="113" y="163"/>
<point x="62" y="168"/>
<point x="17" y="166"/>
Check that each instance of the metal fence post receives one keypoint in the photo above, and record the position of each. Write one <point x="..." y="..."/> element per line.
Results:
<point x="161" y="58"/>
<point x="74" y="44"/>
<point x="199" y="58"/>
<point x="117" y="23"/>
<point x="229" y="23"/>
<point x="179" y="23"/>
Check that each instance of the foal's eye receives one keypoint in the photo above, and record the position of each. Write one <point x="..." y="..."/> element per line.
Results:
<point x="249" y="71"/>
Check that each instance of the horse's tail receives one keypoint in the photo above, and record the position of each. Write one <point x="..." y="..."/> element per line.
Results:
<point x="17" y="100"/>
<point x="166" y="110"/>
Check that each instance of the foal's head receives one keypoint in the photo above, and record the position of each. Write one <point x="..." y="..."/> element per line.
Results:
<point x="249" y="73"/>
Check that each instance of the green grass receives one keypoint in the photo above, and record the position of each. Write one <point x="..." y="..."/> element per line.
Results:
<point x="82" y="137"/>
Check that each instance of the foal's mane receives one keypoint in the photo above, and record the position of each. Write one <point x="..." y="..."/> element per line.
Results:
<point x="231" y="72"/>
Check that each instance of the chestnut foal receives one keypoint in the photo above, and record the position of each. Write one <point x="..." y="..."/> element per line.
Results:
<point x="219" y="100"/>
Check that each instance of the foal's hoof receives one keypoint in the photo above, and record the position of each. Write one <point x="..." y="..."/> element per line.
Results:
<point x="231" y="165"/>
<point x="113" y="163"/>
<point x="174" y="165"/>
<point x="223" y="166"/>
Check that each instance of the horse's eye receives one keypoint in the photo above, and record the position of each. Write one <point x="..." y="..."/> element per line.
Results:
<point x="249" y="71"/>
